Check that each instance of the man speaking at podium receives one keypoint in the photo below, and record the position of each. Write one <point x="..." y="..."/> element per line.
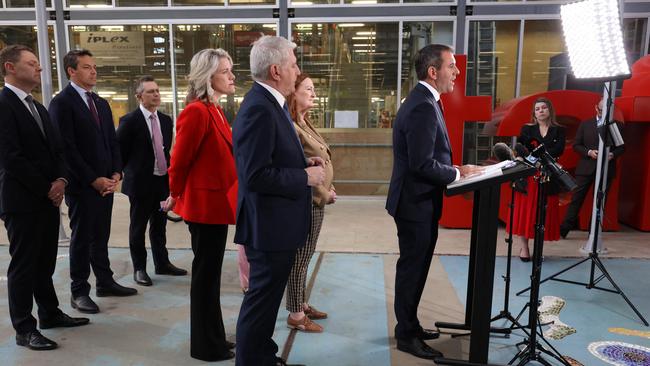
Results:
<point x="422" y="169"/>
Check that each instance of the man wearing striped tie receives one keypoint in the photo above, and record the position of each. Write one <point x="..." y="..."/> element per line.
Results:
<point x="145" y="136"/>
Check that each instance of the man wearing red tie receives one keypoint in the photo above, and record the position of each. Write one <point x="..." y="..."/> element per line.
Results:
<point x="145" y="136"/>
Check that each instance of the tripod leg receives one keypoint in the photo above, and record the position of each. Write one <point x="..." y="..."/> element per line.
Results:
<point x="552" y="277"/>
<point x="601" y="266"/>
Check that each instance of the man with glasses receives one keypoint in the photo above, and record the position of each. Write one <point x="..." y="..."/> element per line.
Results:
<point x="585" y="144"/>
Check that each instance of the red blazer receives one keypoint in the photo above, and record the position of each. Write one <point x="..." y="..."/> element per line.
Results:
<point x="202" y="176"/>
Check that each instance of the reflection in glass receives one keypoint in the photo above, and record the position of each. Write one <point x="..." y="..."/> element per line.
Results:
<point x="26" y="35"/>
<point x="236" y="39"/>
<point x="123" y="54"/>
<point x="92" y="4"/>
<point x="544" y="62"/>
<point x="416" y="35"/>
<point x="143" y="3"/>
<point x="492" y="59"/>
<point x="634" y="32"/>
<point x="354" y="69"/>
<point x="24" y="4"/>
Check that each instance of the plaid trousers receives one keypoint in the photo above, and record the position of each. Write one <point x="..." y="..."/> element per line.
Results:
<point x="298" y="276"/>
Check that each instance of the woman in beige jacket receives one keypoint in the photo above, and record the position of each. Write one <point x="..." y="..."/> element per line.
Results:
<point x="300" y="102"/>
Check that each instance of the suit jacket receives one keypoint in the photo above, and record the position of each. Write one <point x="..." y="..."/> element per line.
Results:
<point x="29" y="162"/>
<point x="91" y="150"/>
<point x="202" y="174"/>
<point x="314" y="144"/>
<point x="138" y="157"/>
<point x="587" y="139"/>
<point x="422" y="165"/>
<point x="274" y="202"/>
<point x="554" y="140"/>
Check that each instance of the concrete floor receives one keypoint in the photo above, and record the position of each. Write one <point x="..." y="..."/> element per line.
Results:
<point x="153" y="327"/>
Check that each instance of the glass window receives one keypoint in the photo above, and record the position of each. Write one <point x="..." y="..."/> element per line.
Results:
<point x="634" y="32"/>
<point x="89" y="3"/>
<point x="25" y="3"/>
<point x="123" y="54"/>
<point x="544" y="63"/>
<point x="416" y="35"/>
<point x="234" y="38"/>
<point x="492" y="59"/>
<point x="311" y="2"/>
<point x="197" y="2"/>
<point x="354" y="69"/>
<point x="143" y="3"/>
<point x="26" y="35"/>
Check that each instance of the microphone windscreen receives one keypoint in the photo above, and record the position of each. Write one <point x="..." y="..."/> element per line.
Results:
<point x="502" y="152"/>
<point x="521" y="150"/>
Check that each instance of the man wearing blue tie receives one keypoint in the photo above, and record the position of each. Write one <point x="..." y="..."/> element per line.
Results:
<point x="274" y="201"/>
<point x="94" y="166"/>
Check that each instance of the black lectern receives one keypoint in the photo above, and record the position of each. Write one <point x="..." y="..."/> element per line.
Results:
<point x="480" y="279"/>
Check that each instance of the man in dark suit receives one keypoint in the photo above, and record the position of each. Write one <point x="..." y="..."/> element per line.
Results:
<point x="94" y="167"/>
<point x="422" y="168"/>
<point x="32" y="185"/>
<point x="145" y="136"/>
<point x="274" y="202"/>
<point x="585" y="144"/>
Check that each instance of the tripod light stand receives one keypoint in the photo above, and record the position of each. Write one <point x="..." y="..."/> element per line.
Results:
<point x="594" y="39"/>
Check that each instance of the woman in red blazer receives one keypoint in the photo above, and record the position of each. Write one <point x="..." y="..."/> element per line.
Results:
<point x="203" y="191"/>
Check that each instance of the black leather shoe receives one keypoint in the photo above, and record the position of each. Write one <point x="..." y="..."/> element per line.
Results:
<point x="281" y="362"/>
<point x="417" y="348"/>
<point x="230" y="345"/>
<point x="84" y="304"/>
<point x="142" y="278"/>
<point x="170" y="269"/>
<point x="115" y="289"/>
<point x="35" y="341"/>
<point x="62" y="321"/>
<point x="228" y="356"/>
<point x="564" y="232"/>
<point x="428" y="334"/>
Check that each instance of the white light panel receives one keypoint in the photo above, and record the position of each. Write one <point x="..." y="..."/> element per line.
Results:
<point x="593" y="36"/>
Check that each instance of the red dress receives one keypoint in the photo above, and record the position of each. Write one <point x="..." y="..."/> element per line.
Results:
<point x="523" y="223"/>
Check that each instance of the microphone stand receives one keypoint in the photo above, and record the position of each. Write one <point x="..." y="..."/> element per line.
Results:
<point x="533" y="350"/>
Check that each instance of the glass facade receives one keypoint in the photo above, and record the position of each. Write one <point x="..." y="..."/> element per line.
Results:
<point x="361" y="62"/>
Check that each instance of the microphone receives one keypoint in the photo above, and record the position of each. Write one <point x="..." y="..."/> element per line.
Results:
<point x="521" y="150"/>
<point x="502" y="152"/>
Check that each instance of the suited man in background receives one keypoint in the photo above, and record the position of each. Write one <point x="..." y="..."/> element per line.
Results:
<point x="94" y="168"/>
<point x="585" y="144"/>
<point x="32" y="185"/>
<point x="274" y="200"/>
<point x="422" y="169"/>
<point x="145" y="136"/>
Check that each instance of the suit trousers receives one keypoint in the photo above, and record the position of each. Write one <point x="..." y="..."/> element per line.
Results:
<point x="90" y="220"/>
<point x="298" y="276"/>
<point x="417" y="241"/>
<point x="269" y="272"/>
<point x="33" y="245"/>
<point x="584" y="183"/>
<point x="146" y="209"/>
<point x="207" y="332"/>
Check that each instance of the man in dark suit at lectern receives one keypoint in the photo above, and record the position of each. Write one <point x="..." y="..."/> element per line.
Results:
<point x="422" y="168"/>
<point x="586" y="145"/>
<point x="94" y="167"/>
<point x="145" y="136"/>
<point x="32" y="184"/>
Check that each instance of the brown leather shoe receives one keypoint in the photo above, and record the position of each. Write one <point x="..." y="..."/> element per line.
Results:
<point x="314" y="314"/>
<point x="305" y="325"/>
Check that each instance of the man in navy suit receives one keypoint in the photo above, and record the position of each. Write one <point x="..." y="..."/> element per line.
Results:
<point x="94" y="168"/>
<point x="145" y="136"/>
<point x="32" y="185"/>
<point x="274" y="201"/>
<point x="422" y="168"/>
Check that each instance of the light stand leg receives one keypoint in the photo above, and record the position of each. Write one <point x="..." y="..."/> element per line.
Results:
<point x="600" y="186"/>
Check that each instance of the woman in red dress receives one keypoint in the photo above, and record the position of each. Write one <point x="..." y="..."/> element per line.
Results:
<point x="203" y="191"/>
<point x="542" y="129"/>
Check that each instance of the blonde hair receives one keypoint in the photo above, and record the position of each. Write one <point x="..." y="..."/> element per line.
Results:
<point x="203" y="65"/>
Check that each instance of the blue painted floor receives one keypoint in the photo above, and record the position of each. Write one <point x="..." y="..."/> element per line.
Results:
<point x="152" y="328"/>
<point x="591" y="312"/>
